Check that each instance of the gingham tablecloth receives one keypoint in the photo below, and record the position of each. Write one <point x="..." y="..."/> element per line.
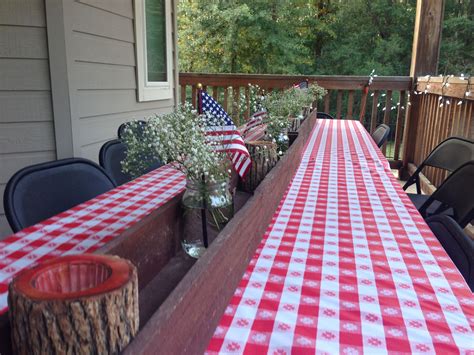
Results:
<point x="347" y="265"/>
<point x="87" y="226"/>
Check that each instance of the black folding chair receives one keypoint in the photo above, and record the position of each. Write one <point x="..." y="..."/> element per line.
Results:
<point x="324" y="115"/>
<point x="111" y="155"/>
<point x="455" y="195"/>
<point x="457" y="244"/>
<point x="122" y="127"/>
<point x="449" y="155"/>
<point x="40" y="191"/>
<point x="380" y="134"/>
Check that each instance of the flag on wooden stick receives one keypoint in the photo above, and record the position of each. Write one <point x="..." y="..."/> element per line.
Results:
<point x="222" y="131"/>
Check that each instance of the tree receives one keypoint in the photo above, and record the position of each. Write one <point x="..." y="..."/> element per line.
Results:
<point x="344" y="37"/>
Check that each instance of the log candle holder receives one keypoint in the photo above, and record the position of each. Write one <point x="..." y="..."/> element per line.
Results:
<point x="81" y="304"/>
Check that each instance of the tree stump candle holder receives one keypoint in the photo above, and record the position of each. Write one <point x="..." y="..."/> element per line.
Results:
<point x="77" y="304"/>
<point x="264" y="157"/>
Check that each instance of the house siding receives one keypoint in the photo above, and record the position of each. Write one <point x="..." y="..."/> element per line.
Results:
<point x="103" y="85"/>
<point x="26" y="117"/>
<point x="67" y="80"/>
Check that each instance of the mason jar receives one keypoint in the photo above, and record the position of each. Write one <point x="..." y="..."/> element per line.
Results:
<point x="207" y="205"/>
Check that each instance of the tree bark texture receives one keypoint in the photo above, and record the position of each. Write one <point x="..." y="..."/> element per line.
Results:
<point x="97" y="323"/>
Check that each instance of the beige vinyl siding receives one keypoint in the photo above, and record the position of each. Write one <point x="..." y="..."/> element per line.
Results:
<point x="26" y="118"/>
<point x="103" y="85"/>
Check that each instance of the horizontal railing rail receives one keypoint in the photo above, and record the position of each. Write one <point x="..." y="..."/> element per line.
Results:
<point x="443" y="107"/>
<point x="385" y="101"/>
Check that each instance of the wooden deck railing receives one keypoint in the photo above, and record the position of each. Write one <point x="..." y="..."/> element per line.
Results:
<point x="443" y="108"/>
<point x="385" y="102"/>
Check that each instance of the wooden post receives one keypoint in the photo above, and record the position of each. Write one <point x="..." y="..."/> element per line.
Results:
<point x="424" y="61"/>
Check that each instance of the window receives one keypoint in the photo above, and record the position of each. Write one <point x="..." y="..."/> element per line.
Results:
<point x="153" y="49"/>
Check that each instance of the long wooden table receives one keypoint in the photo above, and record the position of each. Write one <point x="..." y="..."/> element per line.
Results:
<point x="347" y="265"/>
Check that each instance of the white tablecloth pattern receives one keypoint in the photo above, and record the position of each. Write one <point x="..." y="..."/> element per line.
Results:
<point x="88" y="226"/>
<point x="347" y="265"/>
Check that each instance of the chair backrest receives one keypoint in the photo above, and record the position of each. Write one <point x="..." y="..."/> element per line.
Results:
<point x="457" y="244"/>
<point x="456" y="192"/>
<point x="324" y="115"/>
<point x="450" y="154"/>
<point x="40" y="191"/>
<point x="122" y="127"/>
<point x="111" y="155"/>
<point x="380" y="134"/>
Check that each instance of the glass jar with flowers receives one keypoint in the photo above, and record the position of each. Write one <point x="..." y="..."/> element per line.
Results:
<point x="179" y="139"/>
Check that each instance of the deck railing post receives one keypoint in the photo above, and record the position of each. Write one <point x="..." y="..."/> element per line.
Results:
<point x="424" y="61"/>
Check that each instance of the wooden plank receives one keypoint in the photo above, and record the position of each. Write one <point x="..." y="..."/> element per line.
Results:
<point x="247" y="103"/>
<point x="22" y="13"/>
<point x="327" y="99"/>
<point x="363" y="105"/>
<point x="427" y="37"/>
<point x="373" y="116"/>
<point x="25" y="106"/>
<point x="93" y="76"/>
<point x="26" y="137"/>
<point x="23" y="42"/>
<point x="91" y="103"/>
<point x="226" y="98"/>
<point x="2" y="210"/>
<point x="5" y="229"/>
<point x="214" y="93"/>
<point x="183" y="94"/>
<point x="220" y="270"/>
<point x="456" y="88"/>
<point x="97" y="129"/>
<point x="89" y="48"/>
<point x="159" y="232"/>
<point x="350" y="104"/>
<point x="59" y="34"/>
<point x="194" y="96"/>
<point x="398" y="130"/>
<point x="432" y="122"/>
<point x="469" y="119"/>
<point x="119" y="7"/>
<point x="236" y="104"/>
<point x="338" y="104"/>
<point x="469" y="122"/>
<point x="386" y="116"/>
<point x="24" y="74"/>
<point x="88" y="19"/>
<point x="267" y="81"/>
<point x="11" y="163"/>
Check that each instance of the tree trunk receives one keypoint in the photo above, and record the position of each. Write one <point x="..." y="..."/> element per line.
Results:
<point x="78" y="304"/>
<point x="264" y="157"/>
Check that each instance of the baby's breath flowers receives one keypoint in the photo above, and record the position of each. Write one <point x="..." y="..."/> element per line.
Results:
<point x="177" y="138"/>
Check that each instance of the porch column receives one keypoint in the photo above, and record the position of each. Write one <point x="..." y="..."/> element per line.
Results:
<point x="424" y="61"/>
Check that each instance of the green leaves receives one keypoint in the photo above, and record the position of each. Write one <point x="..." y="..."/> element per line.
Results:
<point x="344" y="37"/>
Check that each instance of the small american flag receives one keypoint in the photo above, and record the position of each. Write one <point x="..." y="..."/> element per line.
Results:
<point x="254" y="121"/>
<point x="302" y="85"/>
<point x="226" y="135"/>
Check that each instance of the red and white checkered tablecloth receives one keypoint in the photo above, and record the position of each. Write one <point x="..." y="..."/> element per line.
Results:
<point x="347" y="265"/>
<point x="88" y="226"/>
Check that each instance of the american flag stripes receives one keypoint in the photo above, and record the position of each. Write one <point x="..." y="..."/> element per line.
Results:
<point x="255" y="120"/>
<point x="224" y="133"/>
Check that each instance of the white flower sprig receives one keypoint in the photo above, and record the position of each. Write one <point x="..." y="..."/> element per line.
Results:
<point x="178" y="138"/>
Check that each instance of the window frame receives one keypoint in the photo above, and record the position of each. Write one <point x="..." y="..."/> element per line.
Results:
<point x="152" y="90"/>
